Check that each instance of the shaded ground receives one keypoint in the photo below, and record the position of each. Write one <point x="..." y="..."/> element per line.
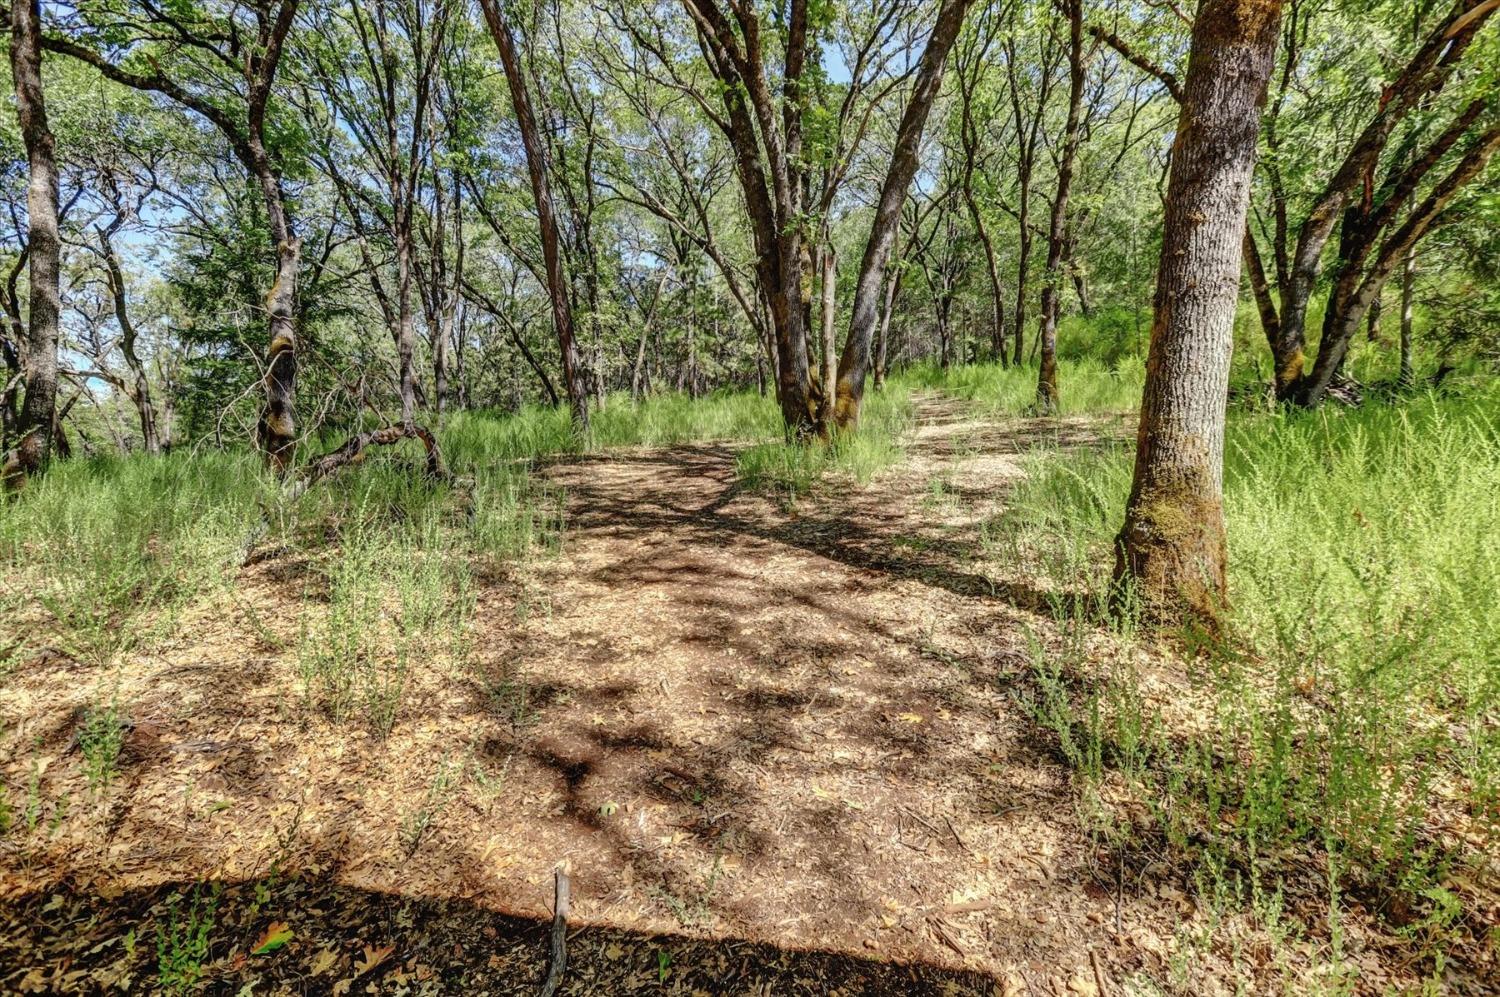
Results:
<point x="772" y="731"/>
<point x="350" y="941"/>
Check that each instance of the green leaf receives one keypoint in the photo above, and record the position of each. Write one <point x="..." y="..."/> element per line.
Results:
<point x="277" y="934"/>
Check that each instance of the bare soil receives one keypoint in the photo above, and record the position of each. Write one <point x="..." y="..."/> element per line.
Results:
<point x="780" y="750"/>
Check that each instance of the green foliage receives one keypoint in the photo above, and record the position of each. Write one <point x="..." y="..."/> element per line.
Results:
<point x="110" y="546"/>
<point x="183" y="938"/>
<point x="668" y="419"/>
<point x="100" y="739"/>
<point x="415" y="825"/>
<point x="396" y="597"/>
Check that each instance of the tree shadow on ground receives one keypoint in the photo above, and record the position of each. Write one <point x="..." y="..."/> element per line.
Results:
<point x="71" y="940"/>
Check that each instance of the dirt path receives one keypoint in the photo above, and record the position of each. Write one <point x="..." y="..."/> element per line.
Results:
<point x="798" y="727"/>
<point x="793" y="728"/>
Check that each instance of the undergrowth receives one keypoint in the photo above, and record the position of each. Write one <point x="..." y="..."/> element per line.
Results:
<point x="1355" y="708"/>
<point x="791" y="469"/>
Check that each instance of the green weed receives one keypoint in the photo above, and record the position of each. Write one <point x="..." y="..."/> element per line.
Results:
<point x="183" y="938"/>
<point x="100" y="739"/>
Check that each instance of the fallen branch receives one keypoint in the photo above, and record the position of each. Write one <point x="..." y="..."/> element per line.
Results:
<point x="1100" y="980"/>
<point x="353" y="451"/>
<point x="559" y="933"/>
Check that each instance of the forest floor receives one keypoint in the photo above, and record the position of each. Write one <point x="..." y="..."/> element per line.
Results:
<point x="781" y="748"/>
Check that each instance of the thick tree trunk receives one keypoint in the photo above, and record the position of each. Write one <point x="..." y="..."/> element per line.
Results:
<point x="536" y="165"/>
<point x="1172" y="545"/>
<point x="1057" y="232"/>
<point x="855" y="362"/>
<point x="38" y="347"/>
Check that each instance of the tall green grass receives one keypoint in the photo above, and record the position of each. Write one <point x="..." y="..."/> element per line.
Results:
<point x="1085" y="385"/>
<point x="1359" y="696"/>
<point x="105" y="544"/>
<point x="396" y="600"/>
<point x="792" y="468"/>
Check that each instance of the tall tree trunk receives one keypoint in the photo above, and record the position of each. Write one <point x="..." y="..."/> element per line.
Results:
<point x="1356" y="285"/>
<point x="1057" y="232"/>
<point x="1023" y="264"/>
<point x="1406" y="376"/>
<point x="139" y="388"/>
<point x="406" y="330"/>
<point x="971" y="62"/>
<point x="536" y="165"/>
<point x="828" y="317"/>
<point x="855" y="361"/>
<point x="892" y="291"/>
<point x="38" y="348"/>
<point x="1435" y="59"/>
<point x="277" y="428"/>
<point x="1172" y="545"/>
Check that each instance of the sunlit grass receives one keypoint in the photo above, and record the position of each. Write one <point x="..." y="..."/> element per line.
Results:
<point x="792" y="468"/>
<point x="1085" y="385"/>
<point x="1358" y="695"/>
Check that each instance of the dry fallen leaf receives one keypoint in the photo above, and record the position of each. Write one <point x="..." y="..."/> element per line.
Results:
<point x="323" y="961"/>
<point x="372" y="957"/>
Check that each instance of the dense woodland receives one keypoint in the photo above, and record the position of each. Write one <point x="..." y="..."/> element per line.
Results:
<point x="1224" y="282"/>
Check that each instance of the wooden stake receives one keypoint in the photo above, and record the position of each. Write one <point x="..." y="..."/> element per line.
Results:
<point x="559" y="932"/>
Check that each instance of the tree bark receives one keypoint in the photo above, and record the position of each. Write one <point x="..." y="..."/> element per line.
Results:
<point x="536" y="165"/>
<point x="1172" y="545"/>
<point x="139" y="388"/>
<point x="892" y="291"/>
<point x="1406" y="376"/>
<point x="1357" y="285"/>
<point x="827" y="319"/>
<point x="855" y="362"/>
<point x="971" y="63"/>
<point x="38" y="347"/>
<point x="1057" y="233"/>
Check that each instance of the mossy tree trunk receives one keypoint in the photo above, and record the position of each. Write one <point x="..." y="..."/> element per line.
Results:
<point x="1172" y="545"/>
